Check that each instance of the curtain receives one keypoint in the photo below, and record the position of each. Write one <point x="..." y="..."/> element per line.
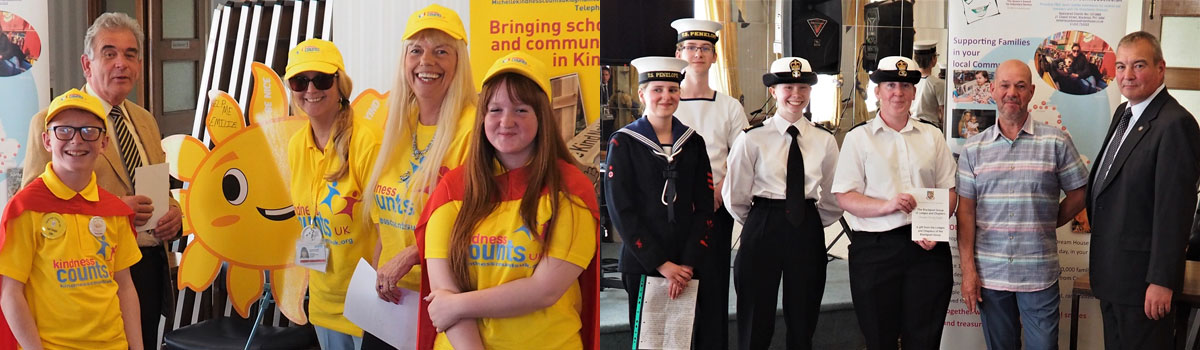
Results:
<point x="722" y="11"/>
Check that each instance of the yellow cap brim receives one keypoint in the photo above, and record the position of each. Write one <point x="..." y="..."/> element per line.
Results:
<point x="435" y="24"/>
<point x="542" y="81"/>
<point x="94" y="112"/>
<point x="313" y="66"/>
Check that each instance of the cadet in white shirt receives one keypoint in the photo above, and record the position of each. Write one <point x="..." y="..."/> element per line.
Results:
<point x="901" y="287"/>
<point x="778" y="187"/>
<point x="931" y="92"/>
<point x="719" y="119"/>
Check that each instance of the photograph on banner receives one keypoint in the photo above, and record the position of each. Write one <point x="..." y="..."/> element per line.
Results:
<point x="20" y="45"/>
<point x="969" y="122"/>
<point x="1075" y="62"/>
<point x="973" y="86"/>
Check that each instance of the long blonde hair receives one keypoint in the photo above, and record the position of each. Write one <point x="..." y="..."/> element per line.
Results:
<point x="343" y="122"/>
<point x="402" y="118"/>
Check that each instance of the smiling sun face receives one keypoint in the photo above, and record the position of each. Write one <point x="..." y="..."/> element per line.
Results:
<point x="236" y="206"/>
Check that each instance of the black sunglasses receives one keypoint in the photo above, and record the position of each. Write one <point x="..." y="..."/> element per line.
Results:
<point x="87" y="133"/>
<point x="321" y="81"/>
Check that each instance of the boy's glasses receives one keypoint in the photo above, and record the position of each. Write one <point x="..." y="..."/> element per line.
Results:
<point x="702" y="49"/>
<point x="87" y="133"/>
<point x="321" y="81"/>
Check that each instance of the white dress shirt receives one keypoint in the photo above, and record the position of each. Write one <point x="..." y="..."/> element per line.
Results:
<point x="758" y="167"/>
<point x="880" y="162"/>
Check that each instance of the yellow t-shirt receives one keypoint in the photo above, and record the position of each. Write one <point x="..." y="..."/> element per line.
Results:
<point x="395" y="211"/>
<point x="69" y="273"/>
<point x="504" y="250"/>
<point x="333" y="207"/>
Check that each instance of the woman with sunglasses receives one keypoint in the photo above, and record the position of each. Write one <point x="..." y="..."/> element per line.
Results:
<point x="330" y="159"/>
<point x="517" y="222"/>
<point x="432" y="108"/>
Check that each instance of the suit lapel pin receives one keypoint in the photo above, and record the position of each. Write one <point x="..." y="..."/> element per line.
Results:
<point x="1141" y="127"/>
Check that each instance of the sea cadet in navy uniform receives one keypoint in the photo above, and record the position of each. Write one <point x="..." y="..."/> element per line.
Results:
<point x="659" y="186"/>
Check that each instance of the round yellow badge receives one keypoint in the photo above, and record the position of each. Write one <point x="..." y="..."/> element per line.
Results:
<point x="53" y="226"/>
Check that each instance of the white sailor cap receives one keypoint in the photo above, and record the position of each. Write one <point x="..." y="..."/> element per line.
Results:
<point x="656" y="68"/>
<point x="925" y="47"/>
<point x="896" y="68"/>
<point x="696" y="29"/>
<point x="790" y="70"/>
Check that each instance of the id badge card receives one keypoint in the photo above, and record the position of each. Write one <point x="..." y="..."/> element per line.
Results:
<point x="311" y="251"/>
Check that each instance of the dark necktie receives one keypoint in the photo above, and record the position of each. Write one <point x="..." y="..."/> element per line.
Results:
<point x="1114" y="146"/>
<point x="130" y="156"/>
<point x="795" y="179"/>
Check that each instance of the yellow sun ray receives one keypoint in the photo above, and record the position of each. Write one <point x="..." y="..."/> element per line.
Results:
<point x="245" y="286"/>
<point x="200" y="270"/>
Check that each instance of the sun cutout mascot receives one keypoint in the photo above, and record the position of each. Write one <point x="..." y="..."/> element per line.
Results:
<point x="236" y="203"/>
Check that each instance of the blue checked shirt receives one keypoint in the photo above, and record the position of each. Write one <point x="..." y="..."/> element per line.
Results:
<point x="1016" y="185"/>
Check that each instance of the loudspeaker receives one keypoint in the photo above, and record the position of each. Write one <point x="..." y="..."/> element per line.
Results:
<point x="889" y="31"/>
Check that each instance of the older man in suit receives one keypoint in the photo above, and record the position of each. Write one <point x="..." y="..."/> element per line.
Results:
<point x="1140" y="201"/>
<point x="112" y="65"/>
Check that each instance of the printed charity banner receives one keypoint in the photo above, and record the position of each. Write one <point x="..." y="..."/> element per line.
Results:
<point x="24" y="84"/>
<point x="563" y="35"/>
<point x="931" y="217"/>
<point x="1069" y="48"/>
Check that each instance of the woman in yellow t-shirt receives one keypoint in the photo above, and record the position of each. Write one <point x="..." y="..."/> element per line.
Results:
<point x="330" y="159"/>
<point x="432" y="108"/>
<point x="508" y="236"/>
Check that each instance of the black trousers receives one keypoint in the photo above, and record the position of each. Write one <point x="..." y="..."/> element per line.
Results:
<point x="711" y="327"/>
<point x="150" y="278"/>
<point x="773" y="247"/>
<point x="1127" y="327"/>
<point x="900" y="290"/>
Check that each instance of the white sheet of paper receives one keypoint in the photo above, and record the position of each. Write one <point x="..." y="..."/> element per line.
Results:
<point x="931" y="217"/>
<point x="153" y="181"/>
<point x="666" y="323"/>
<point x="392" y="323"/>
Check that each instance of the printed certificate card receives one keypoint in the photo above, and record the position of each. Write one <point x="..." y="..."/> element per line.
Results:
<point x="931" y="217"/>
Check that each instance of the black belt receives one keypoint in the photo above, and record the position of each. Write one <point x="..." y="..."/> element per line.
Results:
<point x="905" y="230"/>
<point x="777" y="203"/>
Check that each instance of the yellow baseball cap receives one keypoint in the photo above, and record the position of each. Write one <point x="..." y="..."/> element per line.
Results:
<point x="313" y="55"/>
<point x="521" y="63"/>
<point x="75" y="99"/>
<point x="435" y="17"/>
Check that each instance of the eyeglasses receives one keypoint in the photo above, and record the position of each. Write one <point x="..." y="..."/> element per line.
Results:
<point x="702" y="49"/>
<point x="320" y="81"/>
<point x="87" y="133"/>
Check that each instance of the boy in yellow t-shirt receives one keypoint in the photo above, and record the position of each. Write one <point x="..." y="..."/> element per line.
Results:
<point x="66" y="245"/>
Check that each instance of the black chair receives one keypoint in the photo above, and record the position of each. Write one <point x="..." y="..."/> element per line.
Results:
<point x="220" y="331"/>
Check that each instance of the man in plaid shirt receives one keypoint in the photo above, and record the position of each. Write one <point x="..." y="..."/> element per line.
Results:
<point x="1009" y="182"/>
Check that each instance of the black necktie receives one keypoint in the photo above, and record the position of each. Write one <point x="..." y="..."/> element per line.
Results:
<point x="1114" y="146"/>
<point x="795" y="179"/>
<point x="130" y="156"/>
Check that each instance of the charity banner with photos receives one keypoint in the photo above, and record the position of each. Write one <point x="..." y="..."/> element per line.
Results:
<point x="1069" y="48"/>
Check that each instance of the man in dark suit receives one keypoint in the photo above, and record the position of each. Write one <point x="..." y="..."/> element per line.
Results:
<point x="1140" y="201"/>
